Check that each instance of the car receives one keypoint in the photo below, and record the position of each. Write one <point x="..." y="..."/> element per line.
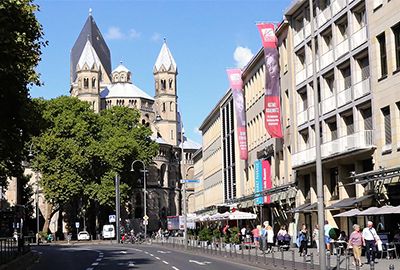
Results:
<point x="83" y="235"/>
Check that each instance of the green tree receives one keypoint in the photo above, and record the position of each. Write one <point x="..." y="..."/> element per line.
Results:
<point x="20" y="49"/>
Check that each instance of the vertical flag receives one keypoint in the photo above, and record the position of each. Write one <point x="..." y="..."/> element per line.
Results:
<point x="266" y="178"/>
<point x="235" y="79"/>
<point x="272" y="93"/>
<point x="258" y="182"/>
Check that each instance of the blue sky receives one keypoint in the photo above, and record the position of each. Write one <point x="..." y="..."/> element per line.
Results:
<point x="204" y="37"/>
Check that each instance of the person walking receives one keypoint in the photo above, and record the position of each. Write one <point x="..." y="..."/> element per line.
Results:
<point x="302" y="239"/>
<point x="370" y="241"/>
<point x="256" y="235"/>
<point x="327" y="228"/>
<point x="315" y="236"/>
<point x="270" y="238"/>
<point x="263" y="238"/>
<point x="355" y="241"/>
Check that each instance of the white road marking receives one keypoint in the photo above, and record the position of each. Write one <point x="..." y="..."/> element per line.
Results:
<point x="164" y="252"/>
<point x="131" y="264"/>
<point x="157" y="258"/>
<point x="124" y="252"/>
<point x="98" y="260"/>
<point x="175" y="268"/>
<point x="89" y="268"/>
<point x="101" y="256"/>
<point x="199" y="263"/>
<point x="146" y="252"/>
<point x="40" y="253"/>
<point x="118" y="264"/>
<point x="151" y="255"/>
<point x="95" y="263"/>
<point x="165" y="262"/>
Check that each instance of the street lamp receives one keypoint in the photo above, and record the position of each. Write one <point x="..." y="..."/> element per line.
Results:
<point x="30" y="155"/>
<point x="159" y="118"/>
<point x="84" y="219"/>
<point x="144" y="194"/>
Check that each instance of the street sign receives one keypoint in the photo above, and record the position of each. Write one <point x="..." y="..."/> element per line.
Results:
<point x="189" y="181"/>
<point x="111" y="218"/>
<point x="146" y="217"/>
<point x="77" y="225"/>
<point x="145" y="222"/>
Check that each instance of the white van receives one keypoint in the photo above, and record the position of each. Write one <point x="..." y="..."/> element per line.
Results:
<point x="108" y="231"/>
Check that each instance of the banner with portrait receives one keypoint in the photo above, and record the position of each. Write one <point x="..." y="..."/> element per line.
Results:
<point x="235" y="79"/>
<point x="272" y="88"/>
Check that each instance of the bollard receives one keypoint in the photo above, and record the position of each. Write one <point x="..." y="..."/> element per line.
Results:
<point x="249" y="253"/>
<point x="338" y="261"/>
<point x="372" y="265"/>
<point x="328" y="260"/>
<point x="273" y="257"/>
<point x="283" y="258"/>
<point x="265" y="258"/>
<point x="256" y="258"/>
<point x="236" y="251"/>
<point x="293" y="261"/>
<point x="219" y="246"/>
<point x="357" y="264"/>
<point x="243" y="252"/>
<point x="304" y="262"/>
<point x="230" y="250"/>
<point x="391" y="267"/>
<point x="311" y="261"/>
<point x="347" y="260"/>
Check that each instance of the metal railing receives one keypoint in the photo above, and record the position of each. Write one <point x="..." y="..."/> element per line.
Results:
<point x="9" y="249"/>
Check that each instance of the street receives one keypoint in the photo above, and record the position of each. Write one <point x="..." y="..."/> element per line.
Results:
<point x="104" y="255"/>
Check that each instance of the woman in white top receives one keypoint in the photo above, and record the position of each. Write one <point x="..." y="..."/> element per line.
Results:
<point x="282" y="231"/>
<point x="270" y="238"/>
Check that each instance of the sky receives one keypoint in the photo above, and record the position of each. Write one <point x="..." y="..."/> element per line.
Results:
<point x="204" y="36"/>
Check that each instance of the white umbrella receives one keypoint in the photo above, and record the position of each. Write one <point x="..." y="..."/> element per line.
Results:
<point x="369" y="212"/>
<point x="242" y="215"/>
<point x="219" y="216"/>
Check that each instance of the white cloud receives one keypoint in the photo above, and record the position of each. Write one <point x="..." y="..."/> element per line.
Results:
<point x="196" y="130"/>
<point x="156" y="37"/>
<point x="134" y="34"/>
<point x="114" y="33"/>
<point x="242" y="56"/>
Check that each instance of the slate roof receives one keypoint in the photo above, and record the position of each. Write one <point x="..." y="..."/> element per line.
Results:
<point x="165" y="58"/>
<point x="189" y="144"/>
<point x="89" y="56"/>
<point x="90" y="31"/>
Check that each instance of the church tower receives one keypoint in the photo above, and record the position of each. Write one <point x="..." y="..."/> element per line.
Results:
<point x="165" y="72"/>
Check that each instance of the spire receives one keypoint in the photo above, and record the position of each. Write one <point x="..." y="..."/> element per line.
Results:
<point x="165" y="58"/>
<point x="90" y="31"/>
<point x="89" y="56"/>
<point x="90" y="11"/>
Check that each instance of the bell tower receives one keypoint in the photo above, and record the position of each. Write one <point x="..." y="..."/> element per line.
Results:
<point x="165" y="72"/>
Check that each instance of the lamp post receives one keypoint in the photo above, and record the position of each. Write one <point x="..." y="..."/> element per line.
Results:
<point x="37" y="192"/>
<point x="144" y="194"/>
<point x="159" y="118"/>
<point x="84" y="219"/>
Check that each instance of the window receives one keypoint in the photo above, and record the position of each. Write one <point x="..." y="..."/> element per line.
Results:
<point x="348" y="120"/>
<point x="387" y="125"/>
<point x="334" y="175"/>
<point x="307" y="186"/>
<point x="367" y="117"/>
<point x="333" y="129"/>
<point x="170" y="84"/>
<point x="361" y="18"/>
<point x="382" y="51"/>
<point x="163" y="84"/>
<point x="85" y="82"/>
<point x="364" y="66"/>
<point x="396" y="32"/>
<point x="93" y="82"/>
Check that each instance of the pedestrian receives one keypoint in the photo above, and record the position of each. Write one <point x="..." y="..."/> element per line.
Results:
<point x="302" y="240"/>
<point x="355" y="242"/>
<point x="370" y="241"/>
<point x="327" y="228"/>
<point x="243" y="232"/>
<point x="270" y="238"/>
<point x="343" y="236"/>
<point x="248" y="234"/>
<point x="256" y="235"/>
<point x="315" y="236"/>
<point x="263" y="237"/>
<point x="282" y="231"/>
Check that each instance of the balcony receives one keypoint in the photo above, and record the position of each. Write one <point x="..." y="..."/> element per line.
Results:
<point x="337" y="6"/>
<point x="359" y="37"/>
<point x="341" y="49"/>
<point x="300" y="76"/>
<point x="344" y="97"/>
<point x="310" y="68"/>
<point x="328" y="104"/>
<point x="324" y="16"/>
<point x="298" y="38"/>
<point x="311" y="113"/>
<point x="360" y="140"/>
<point x="326" y="59"/>
<point x="307" y="30"/>
<point x="361" y="89"/>
<point x="302" y="117"/>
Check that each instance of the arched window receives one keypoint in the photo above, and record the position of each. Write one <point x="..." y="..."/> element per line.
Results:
<point x="163" y="106"/>
<point x="93" y="82"/>
<point x="163" y="84"/>
<point x="86" y="82"/>
<point x="171" y="106"/>
<point x="143" y="122"/>
<point x="170" y="83"/>
<point x="80" y="83"/>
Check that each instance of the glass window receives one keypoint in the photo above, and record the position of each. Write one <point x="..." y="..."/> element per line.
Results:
<point x="382" y="52"/>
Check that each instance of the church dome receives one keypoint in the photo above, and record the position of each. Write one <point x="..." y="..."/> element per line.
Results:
<point x="124" y="90"/>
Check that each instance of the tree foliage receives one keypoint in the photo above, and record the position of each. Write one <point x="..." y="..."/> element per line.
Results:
<point x="21" y="40"/>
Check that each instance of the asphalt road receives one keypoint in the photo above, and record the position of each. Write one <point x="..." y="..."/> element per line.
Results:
<point x="102" y="256"/>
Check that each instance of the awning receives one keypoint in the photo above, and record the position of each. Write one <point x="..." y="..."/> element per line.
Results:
<point x="384" y="210"/>
<point x="369" y="212"/>
<point x="309" y="208"/>
<point x="219" y="216"/>
<point x="348" y="202"/>
<point x="298" y="208"/>
<point x="242" y="215"/>
<point x="350" y="213"/>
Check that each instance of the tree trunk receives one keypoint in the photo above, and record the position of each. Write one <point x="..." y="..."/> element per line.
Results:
<point x="49" y="215"/>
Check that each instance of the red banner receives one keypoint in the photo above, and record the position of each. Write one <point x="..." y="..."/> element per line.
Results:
<point x="272" y="91"/>
<point x="266" y="178"/>
<point x="235" y="79"/>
